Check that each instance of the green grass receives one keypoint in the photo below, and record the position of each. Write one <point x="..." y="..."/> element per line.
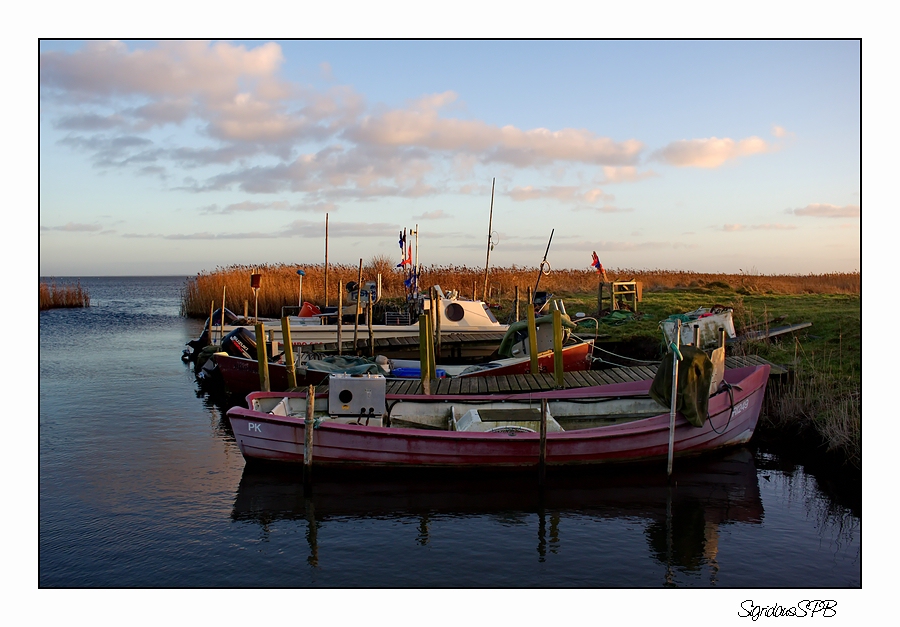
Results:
<point x="823" y="393"/>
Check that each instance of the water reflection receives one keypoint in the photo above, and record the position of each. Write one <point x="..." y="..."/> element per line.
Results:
<point x="681" y="520"/>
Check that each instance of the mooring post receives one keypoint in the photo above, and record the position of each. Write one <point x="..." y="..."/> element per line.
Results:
<point x="340" y="319"/>
<point x="424" y="361"/>
<point x="517" y="304"/>
<point x="261" y="357"/>
<point x="557" y="348"/>
<point x="437" y="306"/>
<point x="542" y="469"/>
<point x="222" y="317"/>
<point x="532" y="334"/>
<point x="371" y="332"/>
<point x="309" y="425"/>
<point x="432" y="365"/>
<point x="358" y="309"/>
<point x="676" y="355"/>
<point x="210" y="339"/>
<point x="721" y="337"/>
<point x="288" y="351"/>
<point x="696" y="336"/>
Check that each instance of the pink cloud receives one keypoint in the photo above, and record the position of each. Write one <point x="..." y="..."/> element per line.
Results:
<point x="709" y="153"/>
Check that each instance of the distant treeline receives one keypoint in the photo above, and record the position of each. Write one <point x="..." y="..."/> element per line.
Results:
<point x="53" y="296"/>
<point x="280" y="283"/>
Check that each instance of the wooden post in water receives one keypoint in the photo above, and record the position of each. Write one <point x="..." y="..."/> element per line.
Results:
<point x="371" y="332"/>
<point x="532" y="334"/>
<point x="245" y="308"/>
<point x="424" y="358"/>
<point x="210" y="338"/>
<point x="358" y="308"/>
<point x="557" y="348"/>
<point x="288" y="352"/>
<point x="261" y="357"/>
<point x="437" y="306"/>
<point x="340" y="319"/>
<point x="542" y="466"/>
<point x="222" y="317"/>
<point x="675" y="356"/>
<point x="517" y="304"/>
<point x="309" y="426"/>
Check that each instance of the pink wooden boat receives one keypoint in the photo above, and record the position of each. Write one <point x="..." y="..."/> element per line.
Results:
<point x="357" y="425"/>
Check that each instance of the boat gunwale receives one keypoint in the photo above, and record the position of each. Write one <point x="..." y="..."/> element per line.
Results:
<point x="638" y="426"/>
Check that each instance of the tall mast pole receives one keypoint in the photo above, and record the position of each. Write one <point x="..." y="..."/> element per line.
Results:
<point x="488" y="258"/>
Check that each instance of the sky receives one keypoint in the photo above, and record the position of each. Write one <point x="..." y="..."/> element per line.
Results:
<point x="179" y="156"/>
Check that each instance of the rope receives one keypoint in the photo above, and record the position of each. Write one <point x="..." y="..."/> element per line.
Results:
<point x="728" y="386"/>
<point x="640" y="361"/>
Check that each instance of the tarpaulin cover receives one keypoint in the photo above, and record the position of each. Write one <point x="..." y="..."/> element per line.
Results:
<point x="695" y="372"/>
<point x="339" y="364"/>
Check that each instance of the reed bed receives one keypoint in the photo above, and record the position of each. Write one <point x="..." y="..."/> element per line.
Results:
<point x="55" y="296"/>
<point x="280" y="283"/>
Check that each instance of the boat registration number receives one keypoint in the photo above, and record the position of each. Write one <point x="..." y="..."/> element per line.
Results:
<point x="740" y="407"/>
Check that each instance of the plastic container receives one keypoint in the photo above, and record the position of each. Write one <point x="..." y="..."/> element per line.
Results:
<point x="415" y="373"/>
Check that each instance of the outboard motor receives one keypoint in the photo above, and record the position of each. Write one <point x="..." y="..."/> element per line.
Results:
<point x="240" y="343"/>
<point x="203" y="341"/>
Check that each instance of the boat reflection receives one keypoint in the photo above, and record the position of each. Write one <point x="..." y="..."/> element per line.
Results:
<point x="682" y="518"/>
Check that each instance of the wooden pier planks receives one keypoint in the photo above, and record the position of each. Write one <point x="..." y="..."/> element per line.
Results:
<point x="514" y="384"/>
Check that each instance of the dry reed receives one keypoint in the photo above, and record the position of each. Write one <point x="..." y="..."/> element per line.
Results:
<point x="280" y="283"/>
<point x="55" y="296"/>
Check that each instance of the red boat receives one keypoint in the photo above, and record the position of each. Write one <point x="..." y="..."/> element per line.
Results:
<point x="240" y="373"/>
<point x="358" y="425"/>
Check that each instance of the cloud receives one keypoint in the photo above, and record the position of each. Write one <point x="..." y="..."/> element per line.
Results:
<point x="433" y="215"/>
<point x="561" y="193"/>
<point x="603" y="209"/>
<point x="74" y="227"/>
<point x="781" y="132"/>
<point x="278" y="205"/>
<point x="709" y="153"/>
<point x="730" y="228"/>
<point x="421" y="126"/>
<point x="235" y="110"/>
<point x="823" y="210"/>
<point x="624" y="174"/>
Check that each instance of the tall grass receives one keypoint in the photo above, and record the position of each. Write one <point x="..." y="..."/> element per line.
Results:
<point x="280" y="283"/>
<point x="55" y="296"/>
<point x="817" y="398"/>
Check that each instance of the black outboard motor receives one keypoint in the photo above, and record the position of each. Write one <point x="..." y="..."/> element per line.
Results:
<point x="240" y="343"/>
<point x="203" y="341"/>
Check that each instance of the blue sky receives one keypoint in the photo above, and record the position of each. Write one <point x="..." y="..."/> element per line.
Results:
<point x="175" y="157"/>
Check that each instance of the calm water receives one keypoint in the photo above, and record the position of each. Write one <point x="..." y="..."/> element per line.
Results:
<point x="142" y="485"/>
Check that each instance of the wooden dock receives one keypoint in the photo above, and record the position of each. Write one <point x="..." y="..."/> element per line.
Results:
<point x="524" y="383"/>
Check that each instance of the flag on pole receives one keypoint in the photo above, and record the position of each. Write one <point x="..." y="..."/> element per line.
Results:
<point x="598" y="266"/>
<point x="403" y="262"/>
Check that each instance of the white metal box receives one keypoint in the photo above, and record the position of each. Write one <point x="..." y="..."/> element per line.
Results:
<point x="356" y="395"/>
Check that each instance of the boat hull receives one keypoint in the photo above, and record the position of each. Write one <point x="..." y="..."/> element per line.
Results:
<point x="241" y="375"/>
<point x="733" y="419"/>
